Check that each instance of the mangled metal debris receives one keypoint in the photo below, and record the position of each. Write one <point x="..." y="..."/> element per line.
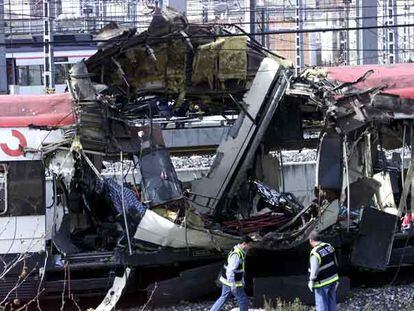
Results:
<point x="143" y="215"/>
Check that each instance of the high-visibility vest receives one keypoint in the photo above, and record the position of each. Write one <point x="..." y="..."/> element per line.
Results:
<point x="328" y="272"/>
<point x="239" y="272"/>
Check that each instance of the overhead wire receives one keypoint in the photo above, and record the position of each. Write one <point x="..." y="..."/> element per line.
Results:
<point x="195" y="13"/>
<point x="221" y="35"/>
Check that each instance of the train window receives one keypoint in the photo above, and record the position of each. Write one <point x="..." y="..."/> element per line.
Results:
<point x="25" y="188"/>
<point x="30" y="75"/>
<point x="3" y="188"/>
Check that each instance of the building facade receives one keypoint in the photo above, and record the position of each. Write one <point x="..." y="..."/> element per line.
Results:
<point x="362" y="34"/>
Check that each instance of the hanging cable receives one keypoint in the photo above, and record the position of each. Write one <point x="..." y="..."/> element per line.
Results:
<point x="348" y="195"/>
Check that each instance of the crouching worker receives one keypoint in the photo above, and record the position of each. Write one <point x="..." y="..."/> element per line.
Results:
<point x="232" y="277"/>
<point x="323" y="279"/>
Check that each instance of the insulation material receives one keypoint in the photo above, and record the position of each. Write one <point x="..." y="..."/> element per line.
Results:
<point x="385" y="195"/>
<point x="142" y="71"/>
<point x="229" y="53"/>
<point x="204" y="64"/>
<point x="233" y="59"/>
<point x="176" y="65"/>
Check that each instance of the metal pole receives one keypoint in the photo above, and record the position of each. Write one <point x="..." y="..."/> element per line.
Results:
<point x="123" y="204"/>
<point x="3" y="63"/>
<point x="102" y="14"/>
<point x="204" y="4"/>
<point x="263" y="22"/>
<point x="402" y="155"/>
<point x="253" y="17"/>
<point x="299" y="36"/>
<point x="48" y="55"/>
<point x="347" y="2"/>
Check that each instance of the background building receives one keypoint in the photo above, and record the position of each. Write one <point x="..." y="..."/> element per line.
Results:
<point x="368" y="41"/>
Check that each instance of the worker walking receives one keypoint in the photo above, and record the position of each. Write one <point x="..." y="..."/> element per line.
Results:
<point x="323" y="279"/>
<point x="232" y="276"/>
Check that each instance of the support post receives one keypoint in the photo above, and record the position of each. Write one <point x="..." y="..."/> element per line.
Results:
<point x="263" y="22"/>
<point x="346" y="52"/>
<point x="299" y="36"/>
<point x="253" y="17"/>
<point x="48" y="55"/>
<point x="3" y="63"/>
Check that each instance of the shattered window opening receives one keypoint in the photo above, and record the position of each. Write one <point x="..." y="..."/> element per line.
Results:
<point x="3" y="188"/>
<point x="26" y="188"/>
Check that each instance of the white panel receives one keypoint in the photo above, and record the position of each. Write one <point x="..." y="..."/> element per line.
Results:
<point x="115" y="292"/>
<point x="158" y="230"/>
<point x="32" y="138"/>
<point x="236" y="149"/>
<point x="36" y="58"/>
<point x="385" y="195"/>
<point x="22" y="234"/>
<point x="50" y="212"/>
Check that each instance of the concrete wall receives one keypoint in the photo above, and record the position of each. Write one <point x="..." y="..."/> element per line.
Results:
<point x="299" y="178"/>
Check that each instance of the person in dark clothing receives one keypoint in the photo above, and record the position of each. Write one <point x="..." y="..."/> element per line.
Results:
<point x="323" y="277"/>
<point x="232" y="276"/>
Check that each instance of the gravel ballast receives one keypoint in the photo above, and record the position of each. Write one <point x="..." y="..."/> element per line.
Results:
<point x="390" y="298"/>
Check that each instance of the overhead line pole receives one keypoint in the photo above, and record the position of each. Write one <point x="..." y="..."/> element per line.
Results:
<point x="48" y="53"/>
<point x="299" y="37"/>
<point x="3" y="63"/>
<point x="253" y="17"/>
<point x="347" y="3"/>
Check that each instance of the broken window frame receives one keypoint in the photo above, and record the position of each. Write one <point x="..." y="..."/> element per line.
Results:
<point x="22" y="177"/>
<point x="3" y="186"/>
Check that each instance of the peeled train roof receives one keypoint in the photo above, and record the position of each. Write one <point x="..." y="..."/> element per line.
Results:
<point x="40" y="110"/>
<point x="397" y="79"/>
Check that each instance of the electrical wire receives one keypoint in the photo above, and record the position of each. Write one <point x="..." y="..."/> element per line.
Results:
<point x="214" y="35"/>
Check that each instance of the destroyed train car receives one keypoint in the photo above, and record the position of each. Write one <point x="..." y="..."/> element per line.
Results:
<point x="87" y="183"/>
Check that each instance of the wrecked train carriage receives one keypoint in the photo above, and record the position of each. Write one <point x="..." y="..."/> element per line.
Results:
<point x="60" y="211"/>
<point x="275" y="110"/>
<point x="368" y="118"/>
<point x="212" y="67"/>
<point x="88" y="215"/>
<point x="215" y="67"/>
<point x="178" y="62"/>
